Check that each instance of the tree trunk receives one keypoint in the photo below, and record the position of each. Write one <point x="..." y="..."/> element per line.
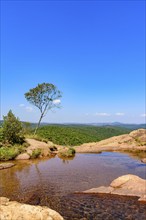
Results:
<point x="38" y="125"/>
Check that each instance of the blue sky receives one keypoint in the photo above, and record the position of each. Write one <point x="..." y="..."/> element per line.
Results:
<point x="93" y="51"/>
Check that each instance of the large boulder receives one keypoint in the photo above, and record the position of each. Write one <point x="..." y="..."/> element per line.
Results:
<point x="129" y="185"/>
<point x="10" y="210"/>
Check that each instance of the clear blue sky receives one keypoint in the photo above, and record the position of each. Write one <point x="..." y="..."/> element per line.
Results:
<point x="93" y="51"/>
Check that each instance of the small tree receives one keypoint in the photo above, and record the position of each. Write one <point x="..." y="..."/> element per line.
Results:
<point x="45" y="97"/>
<point x="12" y="129"/>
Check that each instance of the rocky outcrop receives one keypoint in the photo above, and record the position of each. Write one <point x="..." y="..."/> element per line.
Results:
<point x="136" y="140"/>
<point x="45" y="148"/>
<point x="6" y="165"/>
<point x="23" y="156"/>
<point x="129" y="185"/>
<point x="10" y="210"/>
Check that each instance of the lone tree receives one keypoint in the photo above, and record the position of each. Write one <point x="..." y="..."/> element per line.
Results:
<point x="44" y="96"/>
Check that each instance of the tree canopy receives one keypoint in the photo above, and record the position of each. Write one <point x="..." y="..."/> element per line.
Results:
<point x="44" y="96"/>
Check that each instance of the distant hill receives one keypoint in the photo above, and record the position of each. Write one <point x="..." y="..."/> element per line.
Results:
<point x="113" y="124"/>
<point x="78" y="134"/>
<point x="118" y="124"/>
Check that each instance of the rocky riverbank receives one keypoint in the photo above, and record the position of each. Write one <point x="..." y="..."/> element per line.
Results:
<point x="128" y="185"/>
<point x="41" y="149"/>
<point x="10" y="210"/>
<point x="134" y="141"/>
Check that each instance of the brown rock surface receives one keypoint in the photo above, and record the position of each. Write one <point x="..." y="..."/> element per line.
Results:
<point x="6" y="165"/>
<point x="129" y="185"/>
<point x="143" y="160"/>
<point x="11" y="210"/>
<point x="44" y="147"/>
<point x="23" y="156"/>
<point x="136" y="140"/>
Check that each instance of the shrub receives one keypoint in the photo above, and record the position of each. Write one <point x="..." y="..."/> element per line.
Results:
<point x="9" y="152"/>
<point x="35" y="153"/>
<point x="67" y="152"/>
<point x="12" y="129"/>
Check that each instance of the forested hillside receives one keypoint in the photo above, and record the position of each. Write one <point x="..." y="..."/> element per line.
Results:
<point x="76" y="135"/>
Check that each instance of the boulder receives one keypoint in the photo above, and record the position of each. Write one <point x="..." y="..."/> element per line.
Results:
<point x="23" y="156"/>
<point x="6" y="165"/>
<point x="143" y="160"/>
<point x="129" y="185"/>
<point x="10" y="210"/>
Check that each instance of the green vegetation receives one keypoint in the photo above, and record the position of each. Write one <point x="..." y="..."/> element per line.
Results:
<point x="77" y="135"/>
<point x="12" y="130"/>
<point x="45" y="97"/>
<point x="66" y="152"/>
<point x="11" y="138"/>
<point x="36" y="153"/>
<point x="10" y="152"/>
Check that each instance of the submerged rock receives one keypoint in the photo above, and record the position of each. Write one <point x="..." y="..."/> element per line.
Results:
<point x="10" y="210"/>
<point x="6" y="165"/>
<point x="129" y="185"/>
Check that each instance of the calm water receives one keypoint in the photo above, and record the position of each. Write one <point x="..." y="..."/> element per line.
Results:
<point x="52" y="182"/>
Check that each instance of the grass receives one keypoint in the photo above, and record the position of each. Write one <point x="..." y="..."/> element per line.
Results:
<point x="10" y="152"/>
<point x="77" y="135"/>
<point x="35" y="153"/>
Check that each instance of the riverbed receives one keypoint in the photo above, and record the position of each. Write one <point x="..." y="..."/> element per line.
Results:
<point x="53" y="182"/>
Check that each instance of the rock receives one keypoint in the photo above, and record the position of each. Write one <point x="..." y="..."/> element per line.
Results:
<point x="6" y="165"/>
<point x="129" y="185"/>
<point x="23" y="156"/>
<point x="122" y="180"/>
<point x="143" y="160"/>
<point x="136" y="140"/>
<point x="11" y="210"/>
<point x="142" y="198"/>
<point x="3" y="200"/>
<point x="101" y="189"/>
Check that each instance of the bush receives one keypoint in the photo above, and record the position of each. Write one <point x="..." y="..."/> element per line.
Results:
<point x="36" y="153"/>
<point x="9" y="152"/>
<point x="67" y="152"/>
<point x="12" y="129"/>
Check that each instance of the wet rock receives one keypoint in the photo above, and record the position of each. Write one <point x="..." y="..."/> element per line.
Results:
<point x="6" y="165"/>
<point x="23" y="156"/>
<point x="13" y="210"/>
<point x="142" y="198"/>
<point x="129" y="185"/>
<point x="101" y="189"/>
<point x="143" y="160"/>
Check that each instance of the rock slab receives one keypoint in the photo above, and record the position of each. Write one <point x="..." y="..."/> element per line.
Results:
<point x="129" y="185"/>
<point x="23" y="156"/>
<point x="10" y="210"/>
<point x="6" y="165"/>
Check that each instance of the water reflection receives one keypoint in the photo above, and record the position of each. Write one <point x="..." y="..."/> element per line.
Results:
<point x="49" y="178"/>
<point x="66" y="160"/>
